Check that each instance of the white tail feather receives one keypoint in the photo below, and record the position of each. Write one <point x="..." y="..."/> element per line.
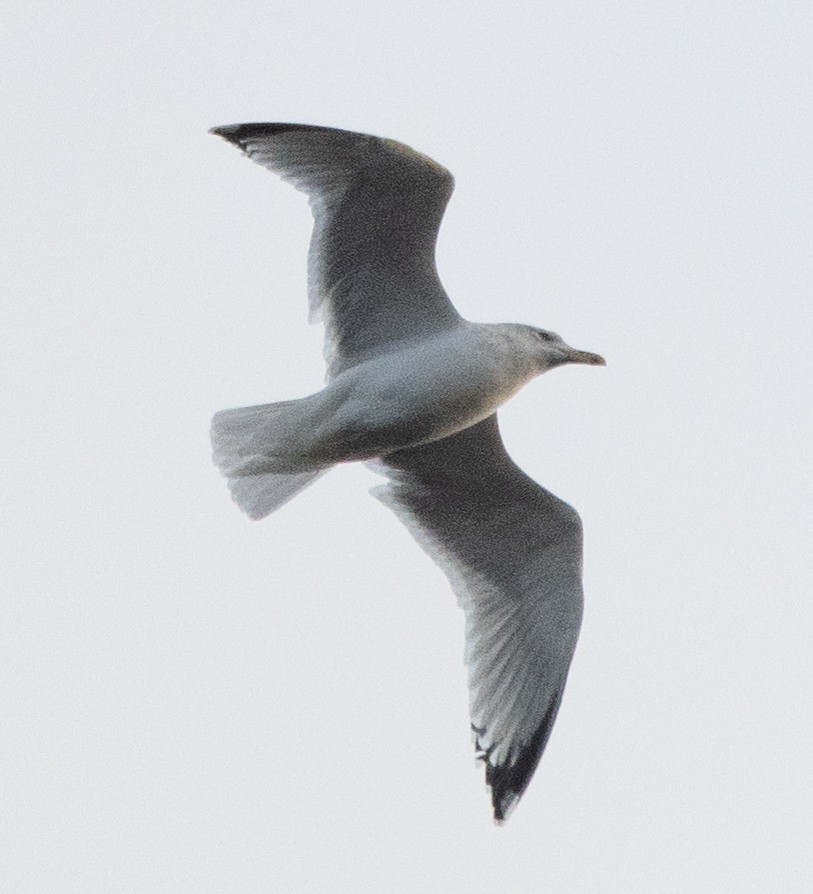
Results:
<point x="246" y="448"/>
<point x="260" y="495"/>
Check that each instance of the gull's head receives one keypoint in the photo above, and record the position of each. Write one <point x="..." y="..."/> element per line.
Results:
<point x="548" y="349"/>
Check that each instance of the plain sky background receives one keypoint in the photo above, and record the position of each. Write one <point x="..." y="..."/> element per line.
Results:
<point x="192" y="702"/>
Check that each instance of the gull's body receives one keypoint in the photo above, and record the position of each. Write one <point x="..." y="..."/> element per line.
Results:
<point x="413" y="388"/>
<point x="420" y="392"/>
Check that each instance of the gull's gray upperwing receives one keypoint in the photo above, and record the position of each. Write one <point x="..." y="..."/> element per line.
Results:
<point x="377" y="207"/>
<point x="512" y="552"/>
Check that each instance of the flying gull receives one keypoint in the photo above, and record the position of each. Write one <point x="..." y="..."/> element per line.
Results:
<point x="412" y="389"/>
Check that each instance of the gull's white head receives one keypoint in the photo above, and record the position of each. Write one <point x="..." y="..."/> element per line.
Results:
<point x="548" y="349"/>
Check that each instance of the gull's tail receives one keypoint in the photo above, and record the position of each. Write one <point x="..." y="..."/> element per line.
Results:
<point x="246" y="447"/>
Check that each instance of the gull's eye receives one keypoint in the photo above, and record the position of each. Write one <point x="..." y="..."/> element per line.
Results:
<point x="545" y="336"/>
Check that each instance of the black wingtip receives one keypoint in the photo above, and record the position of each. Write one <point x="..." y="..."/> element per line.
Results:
<point x="509" y="781"/>
<point x="507" y="788"/>
<point x="235" y="133"/>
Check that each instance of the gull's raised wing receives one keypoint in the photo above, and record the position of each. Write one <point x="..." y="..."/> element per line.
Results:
<point x="377" y="207"/>
<point x="512" y="552"/>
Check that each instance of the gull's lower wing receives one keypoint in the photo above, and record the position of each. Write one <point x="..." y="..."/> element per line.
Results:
<point x="512" y="552"/>
<point x="377" y="207"/>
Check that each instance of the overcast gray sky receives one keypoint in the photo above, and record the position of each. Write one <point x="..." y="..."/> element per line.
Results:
<point x="192" y="702"/>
